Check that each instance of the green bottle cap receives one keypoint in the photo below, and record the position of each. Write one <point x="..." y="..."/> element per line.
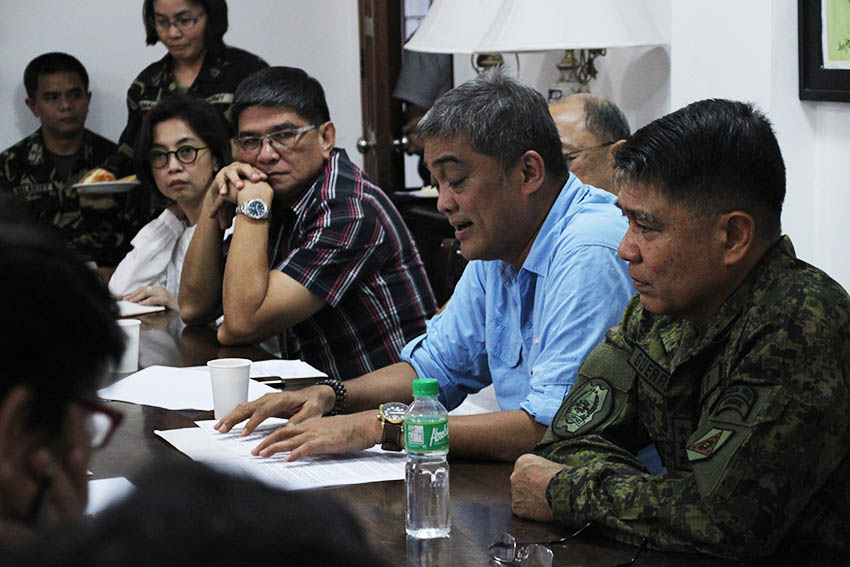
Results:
<point x="426" y="387"/>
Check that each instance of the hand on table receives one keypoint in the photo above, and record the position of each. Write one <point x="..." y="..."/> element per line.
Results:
<point x="529" y="480"/>
<point x="297" y="405"/>
<point x="153" y="295"/>
<point x="335" y="434"/>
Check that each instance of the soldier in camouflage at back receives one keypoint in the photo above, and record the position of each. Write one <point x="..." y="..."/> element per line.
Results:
<point x="39" y="170"/>
<point x="734" y="359"/>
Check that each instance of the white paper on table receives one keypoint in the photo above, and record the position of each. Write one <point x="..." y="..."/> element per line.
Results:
<point x="172" y="388"/>
<point x="105" y="492"/>
<point x="190" y="388"/>
<point x="130" y="309"/>
<point x="233" y="452"/>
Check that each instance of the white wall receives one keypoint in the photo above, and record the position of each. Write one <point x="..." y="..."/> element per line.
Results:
<point x="746" y="51"/>
<point x="724" y="48"/>
<point x="317" y="35"/>
<point x="753" y="56"/>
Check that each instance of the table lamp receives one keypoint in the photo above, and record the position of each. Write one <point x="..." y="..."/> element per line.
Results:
<point x="583" y="28"/>
<point x="457" y="26"/>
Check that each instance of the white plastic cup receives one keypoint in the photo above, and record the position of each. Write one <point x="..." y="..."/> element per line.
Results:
<point x="130" y="359"/>
<point x="229" y="377"/>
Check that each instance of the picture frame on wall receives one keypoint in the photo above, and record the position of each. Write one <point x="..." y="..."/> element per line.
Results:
<point x="824" y="49"/>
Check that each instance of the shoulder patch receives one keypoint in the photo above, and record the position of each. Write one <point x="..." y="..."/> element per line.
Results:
<point x="588" y="406"/>
<point x="705" y="446"/>
<point x="739" y="399"/>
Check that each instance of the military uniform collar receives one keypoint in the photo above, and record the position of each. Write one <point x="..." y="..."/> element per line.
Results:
<point x="211" y="68"/>
<point x="37" y="151"/>
<point x="743" y="297"/>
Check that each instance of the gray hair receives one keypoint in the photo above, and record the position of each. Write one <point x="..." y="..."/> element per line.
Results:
<point x="501" y="117"/>
<point x="605" y="120"/>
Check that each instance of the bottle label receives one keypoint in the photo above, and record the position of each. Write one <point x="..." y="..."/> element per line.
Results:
<point x="426" y="435"/>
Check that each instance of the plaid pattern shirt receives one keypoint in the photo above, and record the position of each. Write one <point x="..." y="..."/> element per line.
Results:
<point x="344" y="240"/>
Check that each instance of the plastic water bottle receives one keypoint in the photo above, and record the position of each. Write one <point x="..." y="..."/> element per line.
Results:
<point x="426" y="478"/>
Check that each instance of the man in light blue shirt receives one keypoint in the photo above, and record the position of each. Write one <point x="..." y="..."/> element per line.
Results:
<point x="544" y="286"/>
<point x="528" y="330"/>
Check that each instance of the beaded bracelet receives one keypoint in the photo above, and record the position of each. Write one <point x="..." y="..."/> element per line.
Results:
<point x="339" y="392"/>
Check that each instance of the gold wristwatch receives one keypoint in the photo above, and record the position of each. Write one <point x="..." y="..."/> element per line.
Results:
<point x="391" y="416"/>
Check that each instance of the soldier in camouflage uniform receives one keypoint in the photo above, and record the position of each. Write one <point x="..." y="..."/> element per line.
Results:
<point x="734" y="360"/>
<point x="39" y="170"/>
<point x="194" y="33"/>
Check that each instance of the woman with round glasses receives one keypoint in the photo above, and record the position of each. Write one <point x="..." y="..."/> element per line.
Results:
<point x="198" y="63"/>
<point x="182" y="144"/>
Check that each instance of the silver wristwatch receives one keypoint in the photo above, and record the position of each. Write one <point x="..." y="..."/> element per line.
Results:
<point x="254" y="209"/>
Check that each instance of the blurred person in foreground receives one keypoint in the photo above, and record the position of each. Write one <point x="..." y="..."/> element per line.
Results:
<point x="183" y="513"/>
<point x="734" y="359"/>
<point x="60" y="336"/>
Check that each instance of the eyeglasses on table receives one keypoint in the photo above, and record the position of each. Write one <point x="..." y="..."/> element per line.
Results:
<point x="505" y="550"/>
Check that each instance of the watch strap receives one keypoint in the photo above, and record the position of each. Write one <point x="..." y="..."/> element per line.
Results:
<point x="390" y="434"/>
<point x="242" y="209"/>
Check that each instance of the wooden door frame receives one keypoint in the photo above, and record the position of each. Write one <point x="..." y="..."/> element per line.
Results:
<point x="381" y="41"/>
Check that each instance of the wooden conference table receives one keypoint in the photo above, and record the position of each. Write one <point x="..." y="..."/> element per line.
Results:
<point x="480" y="491"/>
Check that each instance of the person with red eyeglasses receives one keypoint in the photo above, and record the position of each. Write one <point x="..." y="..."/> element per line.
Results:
<point x="60" y="335"/>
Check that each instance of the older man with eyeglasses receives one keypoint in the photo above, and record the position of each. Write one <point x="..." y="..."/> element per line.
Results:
<point x="319" y="255"/>
<point x="591" y="130"/>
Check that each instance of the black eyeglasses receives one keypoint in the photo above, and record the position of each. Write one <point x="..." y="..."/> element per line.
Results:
<point x="573" y="154"/>
<point x="184" y="154"/>
<point x="283" y="139"/>
<point x="182" y="23"/>
<point x="101" y="422"/>
<point x="505" y="550"/>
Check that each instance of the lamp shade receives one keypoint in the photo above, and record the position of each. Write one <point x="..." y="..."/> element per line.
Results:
<point x="453" y="26"/>
<point x="548" y="25"/>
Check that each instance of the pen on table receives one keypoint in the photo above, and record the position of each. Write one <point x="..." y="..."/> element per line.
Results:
<point x="280" y="383"/>
<point x="41" y="497"/>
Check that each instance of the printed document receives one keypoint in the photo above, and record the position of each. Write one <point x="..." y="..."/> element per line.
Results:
<point x="231" y="451"/>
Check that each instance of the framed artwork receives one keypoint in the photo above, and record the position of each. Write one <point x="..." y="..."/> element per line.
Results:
<point x="824" y="49"/>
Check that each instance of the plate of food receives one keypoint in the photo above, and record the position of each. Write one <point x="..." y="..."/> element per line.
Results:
<point x="101" y="182"/>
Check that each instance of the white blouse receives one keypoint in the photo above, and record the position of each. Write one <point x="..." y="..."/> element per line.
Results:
<point x="156" y="258"/>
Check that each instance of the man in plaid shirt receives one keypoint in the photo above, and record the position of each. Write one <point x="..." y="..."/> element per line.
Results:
<point x="319" y="255"/>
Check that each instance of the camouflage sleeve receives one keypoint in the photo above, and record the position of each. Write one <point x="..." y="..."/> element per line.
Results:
<point x="778" y="429"/>
<point x="5" y="172"/>
<point x="111" y="222"/>
<point x="121" y="163"/>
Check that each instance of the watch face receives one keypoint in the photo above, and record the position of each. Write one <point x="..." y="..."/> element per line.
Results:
<point x="255" y="208"/>
<point x="394" y="411"/>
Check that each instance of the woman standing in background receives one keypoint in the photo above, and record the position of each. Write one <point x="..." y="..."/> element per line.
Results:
<point x="198" y="63"/>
